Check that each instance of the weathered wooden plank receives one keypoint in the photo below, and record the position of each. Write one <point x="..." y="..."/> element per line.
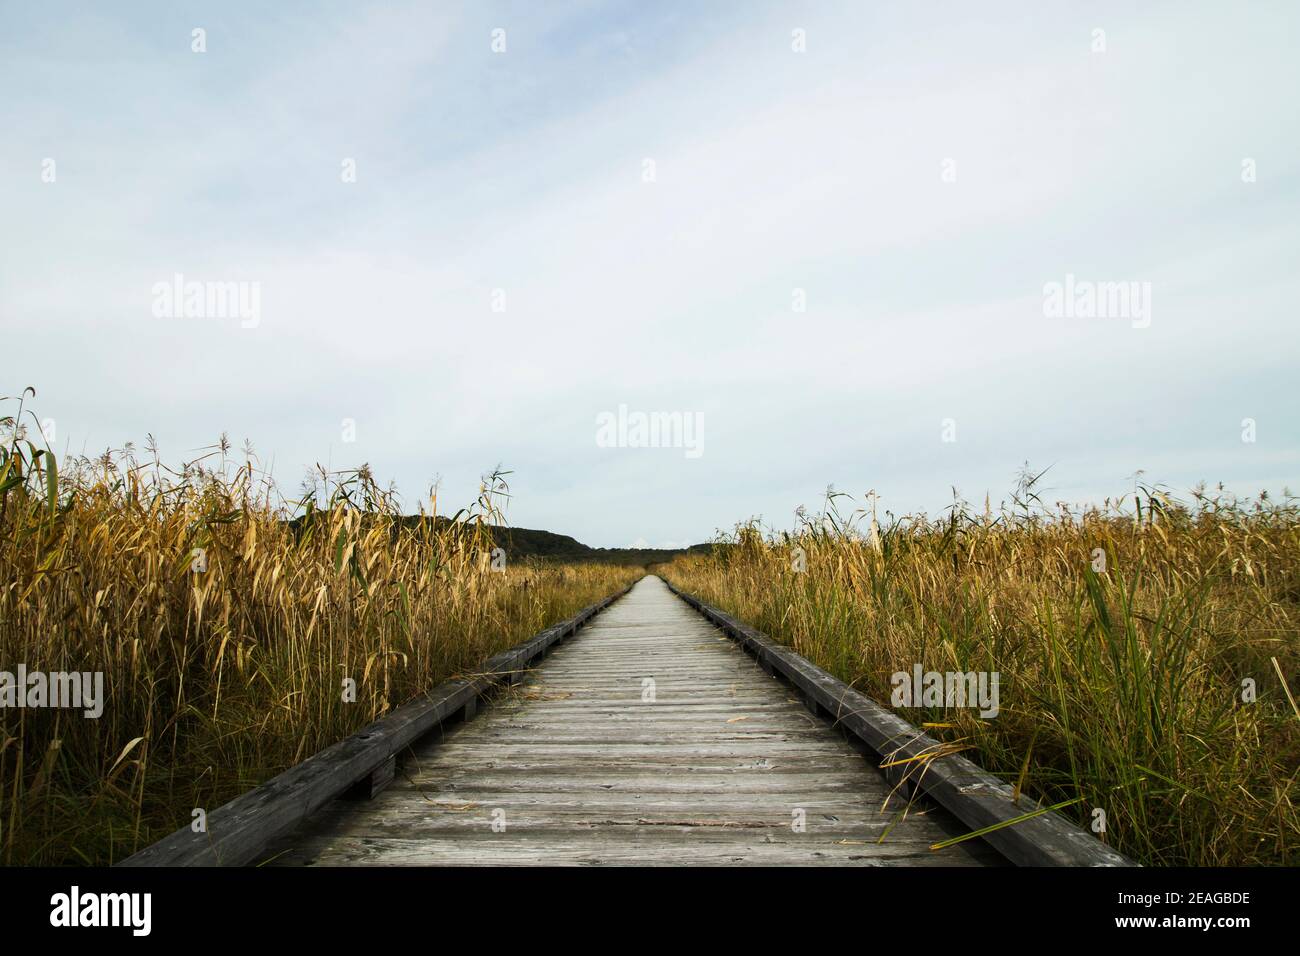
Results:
<point x="516" y="779"/>
<point x="635" y="847"/>
<point x="464" y="749"/>
<point x="651" y="736"/>
<point x="476" y="822"/>
<point x="666" y="705"/>
<point x="240" y="831"/>
<point x="970" y="793"/>
<point x="418" y="802"/>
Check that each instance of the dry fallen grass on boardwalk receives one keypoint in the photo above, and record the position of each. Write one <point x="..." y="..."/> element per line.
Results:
<point x="215" y="681"/>
<point x="1123" y="688"/>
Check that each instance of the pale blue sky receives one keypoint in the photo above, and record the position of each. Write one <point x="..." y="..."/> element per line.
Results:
<point x="775" y="171"/>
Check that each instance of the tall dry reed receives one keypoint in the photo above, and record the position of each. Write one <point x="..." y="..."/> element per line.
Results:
<point x="217" y="677"/>
<point x="1126" y="687"/>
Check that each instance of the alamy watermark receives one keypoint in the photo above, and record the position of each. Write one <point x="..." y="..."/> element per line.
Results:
<point x="1084" y="299"/>
<point x="76" y="690"/>
<point x="628" y="429"/>
<point x="75" y="908"/>
<point x="179" y="299"/>
<point x="922" y="688"/>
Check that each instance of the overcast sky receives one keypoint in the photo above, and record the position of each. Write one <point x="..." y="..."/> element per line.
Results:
<point x="915" y="177"/>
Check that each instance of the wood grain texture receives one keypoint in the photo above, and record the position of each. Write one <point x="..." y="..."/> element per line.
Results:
<point x="576" y="766"/>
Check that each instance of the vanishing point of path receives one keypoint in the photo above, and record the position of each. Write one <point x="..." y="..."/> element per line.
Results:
<point x="647" y="738"/>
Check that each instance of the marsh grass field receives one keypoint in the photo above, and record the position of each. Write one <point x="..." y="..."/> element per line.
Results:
<point x="226" y="619"/>
<point x="1122" y="689"/>
<point x="214" y="681"/>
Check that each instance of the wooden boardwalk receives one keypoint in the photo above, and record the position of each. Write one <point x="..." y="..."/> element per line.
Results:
<point x="647" y="738"/>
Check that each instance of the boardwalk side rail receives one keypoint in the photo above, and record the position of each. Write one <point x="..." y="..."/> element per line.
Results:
<point x="961" y="787"/>
<point x="240" y="831"/>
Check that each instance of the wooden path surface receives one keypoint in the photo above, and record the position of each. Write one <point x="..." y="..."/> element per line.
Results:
<point x="647" y="738"/>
